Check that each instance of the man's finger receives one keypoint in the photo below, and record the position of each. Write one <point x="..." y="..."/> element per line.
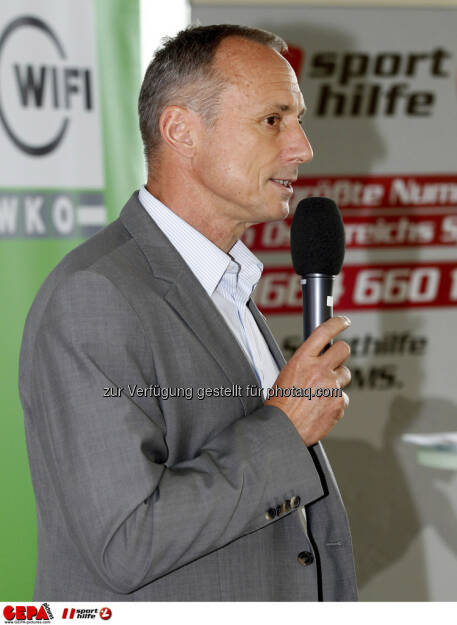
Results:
<point x="346" y="400"/>
<point x="323" y="334"/>
<point x="343" y="376"/>
<point x="336" y="354"/>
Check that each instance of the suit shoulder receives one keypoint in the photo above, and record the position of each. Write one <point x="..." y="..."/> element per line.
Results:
<point x="99" y="251"/>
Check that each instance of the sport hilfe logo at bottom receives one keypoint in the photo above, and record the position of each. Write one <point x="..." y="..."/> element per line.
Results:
<point x="89" y="613"/>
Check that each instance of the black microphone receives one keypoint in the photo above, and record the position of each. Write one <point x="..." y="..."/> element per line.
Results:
<point x="317" y="248"/>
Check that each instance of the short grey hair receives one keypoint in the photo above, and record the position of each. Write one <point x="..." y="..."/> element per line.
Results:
<point x="182" y="73"/>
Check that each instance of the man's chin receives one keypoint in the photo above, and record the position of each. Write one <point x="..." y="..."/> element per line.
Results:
<point x="274" y="213"/>
<point x="280" y="212"/>
<point x="285" y="211"/>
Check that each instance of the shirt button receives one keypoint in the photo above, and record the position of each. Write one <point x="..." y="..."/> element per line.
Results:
<point x="305" y="558"/>
<point x="271" y="513"/>
<point x="295" y="501"/>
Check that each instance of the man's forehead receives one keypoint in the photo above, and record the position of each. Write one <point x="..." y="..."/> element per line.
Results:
<point x="277" y="98"/>
<point x="258" y="69"/>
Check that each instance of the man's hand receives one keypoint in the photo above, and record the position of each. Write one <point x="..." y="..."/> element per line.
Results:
<point x="314" y="418"/>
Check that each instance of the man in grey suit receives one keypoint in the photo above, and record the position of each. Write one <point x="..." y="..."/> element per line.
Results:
<point x="159" y="472"/>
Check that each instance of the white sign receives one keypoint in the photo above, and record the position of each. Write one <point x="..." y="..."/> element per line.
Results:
<point x="49" y="101"/>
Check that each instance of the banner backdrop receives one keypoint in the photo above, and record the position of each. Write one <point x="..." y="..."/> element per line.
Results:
<point x="70" y="157"/>
<point x="380" y="87"/>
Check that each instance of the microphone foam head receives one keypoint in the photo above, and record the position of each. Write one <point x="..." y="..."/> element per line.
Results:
<point x="317" y="237"/>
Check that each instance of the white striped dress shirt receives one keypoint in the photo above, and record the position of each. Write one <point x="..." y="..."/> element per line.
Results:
<point x="228" y="279"/>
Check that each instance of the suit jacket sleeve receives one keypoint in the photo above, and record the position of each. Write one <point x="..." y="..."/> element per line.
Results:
<point x="134" y="517"/>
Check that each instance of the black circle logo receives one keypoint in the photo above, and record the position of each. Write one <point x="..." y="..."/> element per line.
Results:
<point x="45" y="148"/>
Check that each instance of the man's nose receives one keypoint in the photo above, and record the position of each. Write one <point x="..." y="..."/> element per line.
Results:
<point x="299" y="149"/>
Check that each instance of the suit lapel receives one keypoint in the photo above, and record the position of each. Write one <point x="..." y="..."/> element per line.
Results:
<point x="199" y="313"/>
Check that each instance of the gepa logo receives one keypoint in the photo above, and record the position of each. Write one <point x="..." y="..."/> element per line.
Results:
<point x="20" y="613"/>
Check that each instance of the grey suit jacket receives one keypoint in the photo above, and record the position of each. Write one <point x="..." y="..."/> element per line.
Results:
<point x="144" y="498"/>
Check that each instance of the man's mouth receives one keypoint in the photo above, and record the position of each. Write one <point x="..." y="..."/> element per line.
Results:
<point x="283" y="182"/>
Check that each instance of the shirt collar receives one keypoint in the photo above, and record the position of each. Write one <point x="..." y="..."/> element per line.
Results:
<point x="207" y="261"/>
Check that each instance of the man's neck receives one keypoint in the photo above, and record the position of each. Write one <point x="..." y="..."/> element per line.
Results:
<point x="197" y="213"/>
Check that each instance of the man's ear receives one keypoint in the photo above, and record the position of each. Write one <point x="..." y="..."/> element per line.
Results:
<point x="179" y="129"/>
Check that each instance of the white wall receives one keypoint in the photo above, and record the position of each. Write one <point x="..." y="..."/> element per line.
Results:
<point x="158" y="20"/>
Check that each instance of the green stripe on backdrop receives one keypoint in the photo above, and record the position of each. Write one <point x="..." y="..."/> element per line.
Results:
<point x="120" y="76"/>
<point x="25" y="264"/>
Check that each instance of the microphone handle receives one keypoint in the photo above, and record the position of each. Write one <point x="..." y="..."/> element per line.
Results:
<point x="317" y="290"/>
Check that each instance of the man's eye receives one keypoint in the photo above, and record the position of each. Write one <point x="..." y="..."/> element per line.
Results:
<point x="273" y="120"/>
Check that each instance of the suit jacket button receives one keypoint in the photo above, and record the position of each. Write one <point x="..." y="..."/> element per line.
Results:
<point x="271" y="513"/>
<point x="305" y="558"/>
<point x="295" y="501"/>
<point x="283" y="508"/>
